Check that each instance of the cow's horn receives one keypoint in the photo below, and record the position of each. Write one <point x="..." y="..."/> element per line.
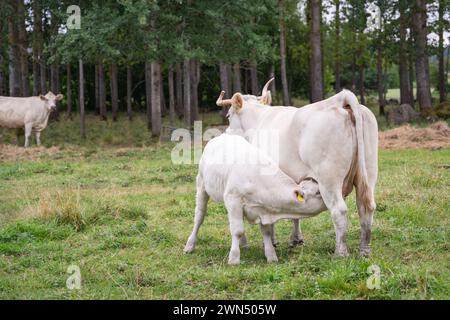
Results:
<point x="223" y="103"/>
<point x="266" y="87"/>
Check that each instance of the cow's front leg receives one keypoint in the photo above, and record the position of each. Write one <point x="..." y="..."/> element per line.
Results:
<point x="28" y="131"/>
<point x="296" y="236"/>
<point x="236" y="221"/>
<point x="269" y="249"/>
<point x="38" y="138"/>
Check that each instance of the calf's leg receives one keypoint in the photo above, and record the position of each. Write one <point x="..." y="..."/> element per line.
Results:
<point x="236" y="221"/>
<point x="269" y="249"/>
<point x="200" y="212"/>
<point x="296" y="236"/>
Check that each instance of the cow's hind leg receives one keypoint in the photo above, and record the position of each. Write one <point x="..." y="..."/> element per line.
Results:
<point x="269" y="249"/>
<point x="332" y="196"/>
<point x="366" y="208"/>
<point x="296" y="236"/>
<point x="236" y="221"/>
<point x="200" y="212"/>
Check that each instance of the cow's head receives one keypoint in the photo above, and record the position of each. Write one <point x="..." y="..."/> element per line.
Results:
<point x="240" y="102"/>
<point x="50" y="100"/>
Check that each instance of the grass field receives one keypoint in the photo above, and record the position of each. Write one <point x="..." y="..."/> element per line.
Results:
<point x="116" y="207"/>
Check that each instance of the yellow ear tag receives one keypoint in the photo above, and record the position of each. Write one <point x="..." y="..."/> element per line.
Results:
<point x="300" y="198"/>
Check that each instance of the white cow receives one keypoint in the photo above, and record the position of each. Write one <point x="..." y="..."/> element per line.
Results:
<point x="250" y="185"/>
<point x="334" y="141"/>
<point x="30" y="113"/>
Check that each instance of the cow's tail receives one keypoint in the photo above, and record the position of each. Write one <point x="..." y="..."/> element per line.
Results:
<point x="362" y="184"/>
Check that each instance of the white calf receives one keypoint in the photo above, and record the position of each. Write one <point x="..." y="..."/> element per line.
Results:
<point x="236" y="173"/>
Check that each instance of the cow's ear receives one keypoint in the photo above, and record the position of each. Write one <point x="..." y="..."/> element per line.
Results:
<point x="237" y="102"/>
<point x="43" y="98"/>
<point x="59" y="97"/>
<point x="267" y="99"/>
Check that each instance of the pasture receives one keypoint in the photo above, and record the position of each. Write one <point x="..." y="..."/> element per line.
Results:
<point x="116" y="207"/>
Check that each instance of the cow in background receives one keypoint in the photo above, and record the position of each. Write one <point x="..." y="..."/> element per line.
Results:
<point x="30" y="113"/>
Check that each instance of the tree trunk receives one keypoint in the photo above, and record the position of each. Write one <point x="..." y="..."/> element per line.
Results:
<point x="254" y="78"/>
<point x="114" y="90"/>
<point x="102" y="91"/>
<point x="15" y="84"/>
<point x="284" y="81"/>
<point x="187" y="92"/>
<point x="164" y="110"/>
<point x="223" y="71"/>
<point x="37" y="38"/>
<point x="23" y="47"/>
<point x="171" y="97"/>
<point x="97" y="91"/>
<point x="129" y="92"/>
<point x="195" y="80"/>
<point x="148" y="94"/>
<point x="237" y="78"/>
<point x="81" y="101"/>
<point x="69" y="92"/>
<point x="337" y="50"/>
<point x="411" y="71"/>
<point x="405" y="89"/>
<point x="156" y="99"/>
<point x="362" y="90"/>
<point x="317" y="89"/>
<point x="419" y="22"/>
<point x="380" y="77"/>
<point x="442" y="79"/>
<point x="179" y="90"/>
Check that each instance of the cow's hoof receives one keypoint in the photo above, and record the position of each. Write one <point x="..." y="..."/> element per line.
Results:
<point x="341" y="253"/>
<point x="273" y="259"/>
<point x="364" y="252"/>
<point x="296" y="242"/>
<point x="234" y="262"/>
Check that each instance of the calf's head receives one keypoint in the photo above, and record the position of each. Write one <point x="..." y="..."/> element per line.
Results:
<point x="50" y="100"/>
<point x="308" y="195"/>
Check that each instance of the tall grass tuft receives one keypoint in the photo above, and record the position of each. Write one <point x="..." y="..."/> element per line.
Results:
<point x="62" y="206"/>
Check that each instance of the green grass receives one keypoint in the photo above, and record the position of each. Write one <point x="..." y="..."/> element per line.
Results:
<point x="123" y="215"/>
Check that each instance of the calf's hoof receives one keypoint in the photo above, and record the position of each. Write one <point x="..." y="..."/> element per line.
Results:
<point x="189" y="248"/>
<point x="296" y="242"/>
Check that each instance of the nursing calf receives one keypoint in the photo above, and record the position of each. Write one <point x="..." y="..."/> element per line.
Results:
<point x="250" y="185"/>
<point x="29" y="113"/>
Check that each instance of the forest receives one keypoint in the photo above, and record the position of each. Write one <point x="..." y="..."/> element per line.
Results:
<point x="170" y="59"/>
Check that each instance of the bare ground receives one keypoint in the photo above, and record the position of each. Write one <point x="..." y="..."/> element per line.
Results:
<point x="437" y="136"/>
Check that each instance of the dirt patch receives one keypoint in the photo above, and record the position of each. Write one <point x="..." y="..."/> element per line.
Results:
<point x="15" y="153"/>
<point x="437" y="136"/>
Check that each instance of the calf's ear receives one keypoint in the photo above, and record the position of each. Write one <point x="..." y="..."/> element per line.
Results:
<point x="59" y="97"/>
<point x="43" y="98"/>
<point x="237" y="102"/>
